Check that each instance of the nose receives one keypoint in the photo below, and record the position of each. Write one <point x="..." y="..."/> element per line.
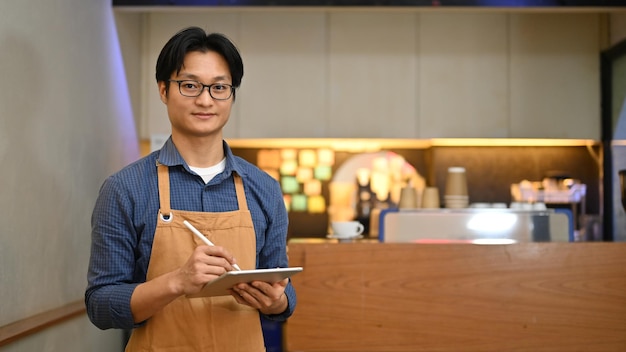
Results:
<point x="205" y="97"/>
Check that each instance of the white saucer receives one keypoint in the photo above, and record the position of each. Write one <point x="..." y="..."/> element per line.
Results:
<point x="331" y="236"/>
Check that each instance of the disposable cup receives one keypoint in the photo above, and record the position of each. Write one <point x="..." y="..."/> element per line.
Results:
<point x="430" y="199"/>
<point x="456" y="182"/>
<point x="408" y="198"/>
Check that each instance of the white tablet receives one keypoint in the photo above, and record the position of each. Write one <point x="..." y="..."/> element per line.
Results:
<point x="221" y="285"/>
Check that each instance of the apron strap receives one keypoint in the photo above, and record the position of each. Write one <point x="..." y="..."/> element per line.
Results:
<point x="163" y="176"/>
<point x="164" y="191"/>
<point x="241" y="195"/>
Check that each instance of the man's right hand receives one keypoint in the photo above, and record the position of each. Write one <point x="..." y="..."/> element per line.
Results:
<point x="206" y="263"/>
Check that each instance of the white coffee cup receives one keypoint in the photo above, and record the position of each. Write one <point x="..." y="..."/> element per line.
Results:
<point x="345" y="229"/>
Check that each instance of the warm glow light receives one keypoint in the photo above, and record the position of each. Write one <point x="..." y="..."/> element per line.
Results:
<point x="313" y="188"/>
<point x="509" y="142"/>
<point x="287" y="154"/>
<point x="492" y="222"/>
<point x="268" y="158"/>
<point x="317" y="205"/>
<point x="307" y="157"/>
<point x="304" y="174"/>
<point x="377" y="144"/>
<point x="289" y="167"/>
<point x="325" y="157"/>
<point x="335" y="144"/>
<point x="361" y="145"/>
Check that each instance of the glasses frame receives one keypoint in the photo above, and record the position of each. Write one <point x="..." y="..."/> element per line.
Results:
<point x="204" y="86"/>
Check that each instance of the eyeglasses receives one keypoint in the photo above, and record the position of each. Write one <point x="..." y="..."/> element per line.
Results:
<point x="217" y="91"/>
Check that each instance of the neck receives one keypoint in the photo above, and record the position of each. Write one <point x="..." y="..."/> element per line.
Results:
<point x="200" y="151"/>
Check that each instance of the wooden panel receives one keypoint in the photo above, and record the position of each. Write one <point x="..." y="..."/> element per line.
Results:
<point x="463" y="75"/>
<point x="372" y="68"/>
<point x="284" y="86"/>
<point x="409" y="297"/>
<point x="555" y="76"/>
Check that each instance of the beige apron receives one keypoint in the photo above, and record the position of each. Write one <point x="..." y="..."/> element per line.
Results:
<point x="200" y="324"/>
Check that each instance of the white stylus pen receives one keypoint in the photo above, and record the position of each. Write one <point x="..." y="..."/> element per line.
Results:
<point x="203" y="238"/>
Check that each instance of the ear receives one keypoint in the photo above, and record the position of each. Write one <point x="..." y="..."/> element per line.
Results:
<point x="162" y="91"/>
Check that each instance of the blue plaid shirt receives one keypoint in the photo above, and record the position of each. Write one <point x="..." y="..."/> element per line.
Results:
<point x="124" y="221"/>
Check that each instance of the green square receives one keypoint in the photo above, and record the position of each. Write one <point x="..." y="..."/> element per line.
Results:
<point x="323" y="173"/>
<point x="289" y="184"/>
<point x="298" y="202"/>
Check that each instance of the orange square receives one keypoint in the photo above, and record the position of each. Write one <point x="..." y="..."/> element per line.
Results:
<point x="313" y="188"/>
<point x="268" y="158"/>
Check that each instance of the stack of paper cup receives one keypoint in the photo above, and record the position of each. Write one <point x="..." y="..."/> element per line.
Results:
<point x="456" y="196"/>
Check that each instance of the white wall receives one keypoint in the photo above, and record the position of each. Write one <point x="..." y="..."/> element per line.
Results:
<point x="65" y="124"/>
<point x="395" y="74"/>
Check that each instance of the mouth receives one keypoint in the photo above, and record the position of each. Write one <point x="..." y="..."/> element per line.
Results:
<point x="203" y="115"/>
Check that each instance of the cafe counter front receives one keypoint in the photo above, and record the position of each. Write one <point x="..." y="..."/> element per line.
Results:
<point x="371" y="296"/>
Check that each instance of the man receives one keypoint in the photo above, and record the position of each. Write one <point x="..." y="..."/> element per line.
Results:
<point x="144" y="262"/>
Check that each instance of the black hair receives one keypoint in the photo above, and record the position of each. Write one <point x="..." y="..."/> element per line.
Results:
<point x="190" y="39"/>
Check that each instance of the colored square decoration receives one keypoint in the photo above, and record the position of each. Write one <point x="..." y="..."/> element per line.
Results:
<point x="313" y="188"/>
<point x="268" y="159"/>
<point x="304" y="174"/>
<point x="298" y="202"/>
<point x="288" y="167"/>
<point x="317" y="204"/>
<point x="288" y="154"/>
<point x="323" y="173"/>
<point x="307" y="158"/>
<point x="289" y="184"/>
<point x="326" y="157"/>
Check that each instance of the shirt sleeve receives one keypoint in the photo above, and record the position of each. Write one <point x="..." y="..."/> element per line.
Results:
<point x="111" y="280"/>
<point x="274" y="253"/>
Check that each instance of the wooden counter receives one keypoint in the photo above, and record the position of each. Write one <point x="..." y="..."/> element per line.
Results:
<point x="458" y="297"/>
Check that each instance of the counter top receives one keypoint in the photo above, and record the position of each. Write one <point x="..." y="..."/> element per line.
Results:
<point x="458" y="297"/>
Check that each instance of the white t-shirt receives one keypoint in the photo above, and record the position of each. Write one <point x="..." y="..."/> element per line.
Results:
<point x="207" y="173"/>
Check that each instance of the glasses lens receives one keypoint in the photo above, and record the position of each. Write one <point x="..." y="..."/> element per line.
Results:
<point x="220" y="91"/>
<point x="190" y="88"/>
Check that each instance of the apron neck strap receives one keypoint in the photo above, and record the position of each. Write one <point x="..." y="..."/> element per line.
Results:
<point x="163" y="176"/>
<point x="241" y="195"/>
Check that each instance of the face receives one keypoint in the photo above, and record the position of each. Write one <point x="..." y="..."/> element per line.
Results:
<point x="201" y="116"/>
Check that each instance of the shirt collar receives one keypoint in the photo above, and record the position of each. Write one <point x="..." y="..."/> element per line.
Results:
<point x="169" y="156"/>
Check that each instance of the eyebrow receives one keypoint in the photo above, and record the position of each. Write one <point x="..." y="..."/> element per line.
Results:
<point x="194" y="77"/>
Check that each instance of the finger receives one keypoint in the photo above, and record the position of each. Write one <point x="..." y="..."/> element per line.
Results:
<point x="247" y="298"/>
<point x="262" y="287"/>
<point x="213" y="256"/>
<point x="225" y="258"/>
<point x="273" y="291"/>
<point x="238" y="297"/>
